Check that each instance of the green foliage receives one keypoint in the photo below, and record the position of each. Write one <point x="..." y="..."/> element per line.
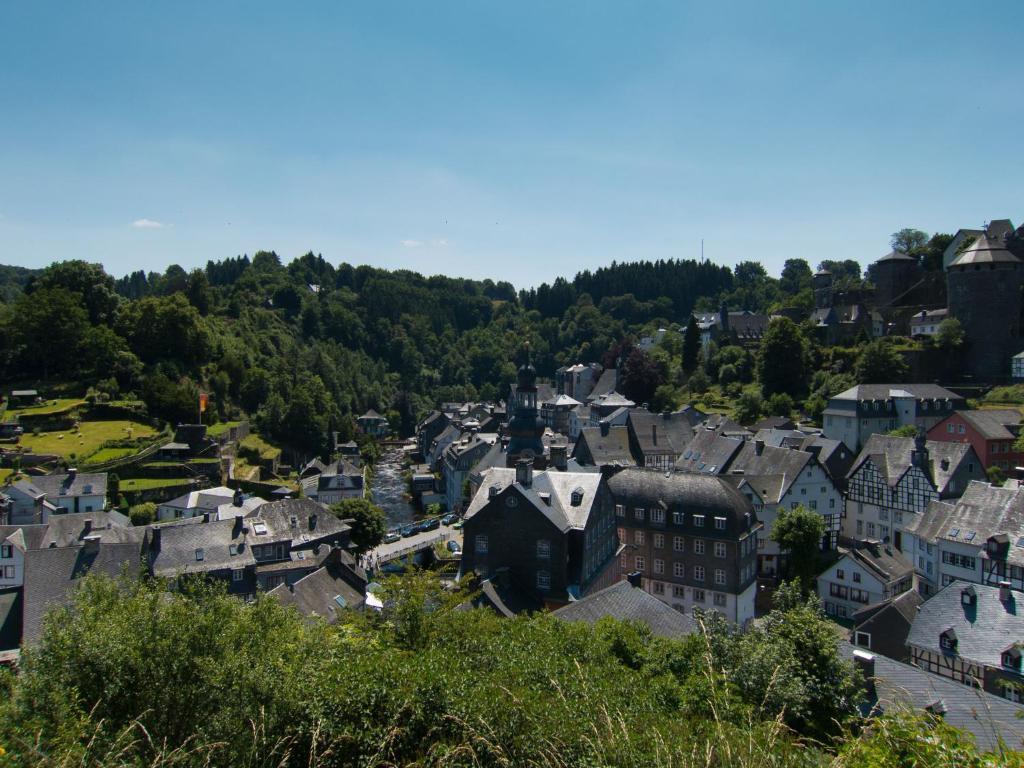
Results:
<point x="907" y="430"/>
<point x="880" y="363"/>
<point x="799" y="533"/>
<point x="996" y="476"/>
<point x="749" y="406"/>
<point x="950" y="335"/>
<point x="368" y="522"/>
<point x="142" y="514"/>
<point x="691" y="345"/>
<point x="129" y="675"/>
<point x="780" y="404"/>
<point x="782" y="364"/>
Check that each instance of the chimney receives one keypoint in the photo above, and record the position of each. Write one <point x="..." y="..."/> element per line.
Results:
<point x="758" y="447"/>
<point x="88" y="526"/>
<point x="92" y="544"/>
<point x="493" y="491"/>
<point x="654" y="434"/>
<point x="865" y="662"/>
<point x="636" y="579"/>
<point x="236" y="529"/>
<point x="72" y="471"/>
<point x="206" y="517"/>
<point x="919" y="456"/>
<point x="604" y="428"/>
<point x="560" y="457"/>
<point x="546" y="498"/>
<point x="1005" y="595"/>
<point x="524" y="473"/>
<point x="238" y="499"/>
<point x="312" y="522"/>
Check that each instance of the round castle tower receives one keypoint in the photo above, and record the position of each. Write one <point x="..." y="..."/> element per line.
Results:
<point x="984" y="288"/>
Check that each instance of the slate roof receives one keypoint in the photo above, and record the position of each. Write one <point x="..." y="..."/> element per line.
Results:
<point x="604" y="385"/>
<point x="883" y="562"/>
<point x="993" y="424"/>
<point x="371" y="414"/>
<point x="895" y="255"/>
<point x="560" y="487"/>
<point x="712" y="495"/>
<point x="625" y="602"/>
<point x="51" y="575"/>
<point x="905" y="604"/>
<point x="314" y="595"/>
<point x="206" y="500"/>
<point x="29" y="489"/>
<point x="771" y="472"/>
<point x="708" y="452"/>
<point x="983" y="510"/>
<point x="892" y="454"/>
<point x="660" y="433"/>
<point x="862" y="392"/>
<point x="23" y="536"/>
<point x="69" y="530"/>
<point x="613" y="400"/>
<point x="723" y="425"/>
<point x="983" y="631"/>
<point x="78" y="484"/>
<point x="563" y="401"/>
<point x="606" y="450"/>
<point x="901" y="686"/>
<point x="985" y="251"/>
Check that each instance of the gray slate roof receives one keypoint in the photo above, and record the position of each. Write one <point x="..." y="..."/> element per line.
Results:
<point x="902" y="686"/>
<point x="315" y="595"/>
<point x="984" y="510"/>
<point x="625" y="602"/>
<point x="983" y="631"/>
<point x="883" y="562"/>
<point x="606" y="450"/>
<point x="79" y="484"/>
<point x="708" y="452"/>
<point x="985" y="251"/>
<point x="862" y="392"/>
<point x="995" y="423"/>
<point x="52" y="574"/>
<point x="891" y="455"/>
<point x="660" y="433"/>
<point x="697" y="493"/>
<point x="560" y="487"/>
<point x="69" y="530"/>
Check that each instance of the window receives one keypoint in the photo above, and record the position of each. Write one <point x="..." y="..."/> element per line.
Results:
<point x="831" y="503"/>
<point x="719" y="576"/>
<point x="860" y="527"/>
<point x="698" y="521"/>
<point x="6" y="551"/>
<point x="620" y="510"/>
<point x="871" y="529"/>
<point x="481" y="544"/>
<point x="719" y="549"/>
<point x="657" y="515"/>
<point x="1013" y="692"/>
<point x="543" y="549"/>
<point x="948" y="643"/>
<point x="814" y="505"/>
<point x="863" y="639"/>
<point x="961" y="429"/>
<point x="679" y="592"/>
<point x="698" y="572"/>
<point x="678" y="544"/>
<point x="698" y="595"/>
<point x="679" y="570"/>
<point x="659" y="566"/>
<point x="840" y="573"/>
<point x="719" y="523"/>
<point x="719" y="599"/>
<point x="698" y="546"/>
<point x="638" y="513"/>
<point x="960" y="561"/>
<point x="238" y="574"/>
<point x="677" y="518"/>
<point x="639" y="563"/>
<point x="856" y="578"/>
<point x="949" y="428"/>
<point x="659" y="540"/>
<point x="659" y="588"/>
<point x="8" y="571"/>
<point x="638" y="537"/>
<point x="543" y="580"/>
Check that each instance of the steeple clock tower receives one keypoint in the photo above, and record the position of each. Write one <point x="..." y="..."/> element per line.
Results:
<point x="526" y="427"/>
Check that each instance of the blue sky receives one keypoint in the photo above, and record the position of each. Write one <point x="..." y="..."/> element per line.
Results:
<point x="517" y="141"/>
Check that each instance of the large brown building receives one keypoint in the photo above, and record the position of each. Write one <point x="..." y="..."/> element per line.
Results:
<point x="693" y="537"/>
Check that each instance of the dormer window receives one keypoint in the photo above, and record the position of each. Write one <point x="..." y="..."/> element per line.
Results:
<point x="1012" y="658"/>
<point x="577" y="497"/>
<point x="200" y="555"/>
<point x="968" y="596"/>
<point x="947" y="640"/>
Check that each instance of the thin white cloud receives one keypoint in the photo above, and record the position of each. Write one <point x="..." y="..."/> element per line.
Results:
<point x="411" y="243"/>
<point x="441" y="243"/>
<point x="147" y="224"/>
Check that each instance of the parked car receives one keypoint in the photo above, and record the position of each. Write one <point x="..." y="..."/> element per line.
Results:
<point x="430" y="525"/>
<point x="454" y="548"/>
<point x="410" y="530"/>
<point x="458" y="525"/>
<point x="450" y="518"/>
<point x="392" y="537"/>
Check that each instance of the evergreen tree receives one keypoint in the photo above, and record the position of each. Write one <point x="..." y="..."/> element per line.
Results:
<point x="691" y="345"/>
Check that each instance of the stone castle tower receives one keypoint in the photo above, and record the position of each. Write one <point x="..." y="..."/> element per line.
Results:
<point x="821" y="283"/>
<point x="983" y="285"/>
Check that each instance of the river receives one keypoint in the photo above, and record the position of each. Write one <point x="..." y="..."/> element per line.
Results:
<point x="389" y="489"/>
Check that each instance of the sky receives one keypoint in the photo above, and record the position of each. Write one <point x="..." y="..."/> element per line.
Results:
<point x="515" y="140"/>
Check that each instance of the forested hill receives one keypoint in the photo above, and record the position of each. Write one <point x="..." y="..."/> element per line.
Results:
<point x="303" y="347"/>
